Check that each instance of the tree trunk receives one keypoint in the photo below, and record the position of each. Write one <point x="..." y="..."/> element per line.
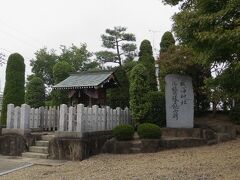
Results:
<point x="118" y="54"/>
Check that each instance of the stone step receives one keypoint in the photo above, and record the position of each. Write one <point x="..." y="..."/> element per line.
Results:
<point x="135" y="150"/>
<point x="42" y="143"/>
<point x="47" y="137"/>
<point x="137" y="142"/>
<point x="39" y="149"/>
<point x="34" y="155"/>
<point x="222" y="137"/>
<point x="211" y="142"/>
<point x="135" y="136"/>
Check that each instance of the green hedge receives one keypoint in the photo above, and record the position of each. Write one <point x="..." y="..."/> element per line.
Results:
<point x="157" y="112"/>
<point x="123" y="132"/>
<point x="149" y="131"/>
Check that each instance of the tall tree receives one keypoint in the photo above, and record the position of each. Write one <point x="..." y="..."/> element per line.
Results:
<point x="14" y="86"/>
<point x="42" y="65"/>
<point x="78" y="57"/>
<point x="119" y="97"/>
<point x="182" y="60"/>
<point x="147" y="59"/>
<point x="166" y="42"/>
<point x="139" y="88"/>
<point x="61" y="71"/>
<point x="120" y="41"/>
<point x="35" y="92"/>
<point x="210" y="27"/>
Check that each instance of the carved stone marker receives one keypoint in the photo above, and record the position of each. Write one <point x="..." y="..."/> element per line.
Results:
<point x="179" y="101"/>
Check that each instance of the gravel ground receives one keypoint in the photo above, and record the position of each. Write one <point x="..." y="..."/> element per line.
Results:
<point x="220" y="161"/>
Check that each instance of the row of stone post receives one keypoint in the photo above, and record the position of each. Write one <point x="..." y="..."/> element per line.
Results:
<point x="91" y="119"/>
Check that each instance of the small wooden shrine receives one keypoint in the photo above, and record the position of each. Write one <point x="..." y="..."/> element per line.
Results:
<point x="89" y="87"/>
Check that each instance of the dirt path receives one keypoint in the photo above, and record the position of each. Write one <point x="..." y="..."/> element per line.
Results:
<point x="209" y="162"/>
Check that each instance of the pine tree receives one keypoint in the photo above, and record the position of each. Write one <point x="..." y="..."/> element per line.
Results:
<point x="14" y="86"/>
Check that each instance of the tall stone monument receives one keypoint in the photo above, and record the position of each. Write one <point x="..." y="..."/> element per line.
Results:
<point x="179" y="101"/>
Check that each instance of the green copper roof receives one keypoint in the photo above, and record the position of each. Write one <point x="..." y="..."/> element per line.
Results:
<point x="87" y="79"/>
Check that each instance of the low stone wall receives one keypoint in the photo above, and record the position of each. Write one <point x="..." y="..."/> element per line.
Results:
<point x="15" y="144"/>
<point x="78" y="148"/>
<point x="182" y="132"/>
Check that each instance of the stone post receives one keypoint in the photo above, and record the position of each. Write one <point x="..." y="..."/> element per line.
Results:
<point x="127" y="118"/>
<point x="17" y="117"/>
<point x="108" y="117"/>
<point x="63" y="112"/>
<point x="41" y="117"/>
<point x="10" y="116"/>
<point x="104" y="120"/>
<point x="89" y="119"/>
<point x="95" y="118"/>
<point x="70" y="119"/>
<point x="36" y="118"/>
<point x="114" y="118"/>
<point x="118" y="114"/>
<point x="25" y="117"/>
<point x="80" y="121"/>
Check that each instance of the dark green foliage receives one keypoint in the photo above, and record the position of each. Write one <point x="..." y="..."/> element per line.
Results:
<point x="182" y="60"/>
<point x="157" y="112"/>
<point x="139" y="87"/>
<point x="119" y="97"/>
<point x="147" y="59"/>
<point x="61" y="71"/>
<point x="42" y="65"/>
<point x="35" y="92"/>
<point x="14" y="86"/>
<point x="128" y="66"/>
<point x="149" y="131"/>
<point x="166" y="42"/>
<point x="145" y="48"/>
<point x="211" y="27"/>
<point x="123" y="132"/>
<point x="78" y="57"/>
<point x="120" y="41"/>
<point x="235" y="114"/>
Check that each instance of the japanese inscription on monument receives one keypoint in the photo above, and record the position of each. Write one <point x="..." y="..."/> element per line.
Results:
<point x="179" y="101"/>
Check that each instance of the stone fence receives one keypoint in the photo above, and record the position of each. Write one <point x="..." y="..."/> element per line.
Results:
<point x="66" y="121"/>
<point x="82" y="119"/>
<point x="26" y="118"/>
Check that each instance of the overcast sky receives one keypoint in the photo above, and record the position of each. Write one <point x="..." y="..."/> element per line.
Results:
<point x="28" y="25"/>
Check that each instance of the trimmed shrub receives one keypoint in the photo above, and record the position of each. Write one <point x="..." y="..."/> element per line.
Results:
<point x="149" y="131"/>
<point x="123" y="132"/>
<point x="139" y="87"/>
<point x="14" y="86"/>
<point x="157" y="112"/>
<point x="147" y="59"/>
